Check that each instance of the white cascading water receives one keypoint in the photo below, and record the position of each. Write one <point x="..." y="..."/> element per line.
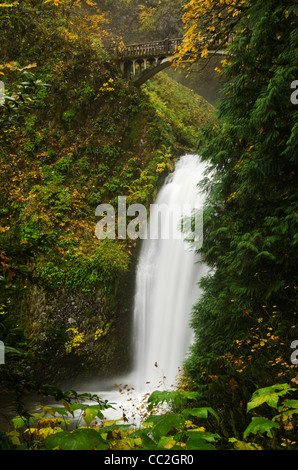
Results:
<point x="167" y="278"/>
<point x="166" y="287"/>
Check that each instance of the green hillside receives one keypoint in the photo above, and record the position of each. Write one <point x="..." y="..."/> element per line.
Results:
<point x="82" y="137"/>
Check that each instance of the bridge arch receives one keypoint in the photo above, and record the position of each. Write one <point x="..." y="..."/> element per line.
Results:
<point x="140" y="70"/>
<point x="140" y="62"/>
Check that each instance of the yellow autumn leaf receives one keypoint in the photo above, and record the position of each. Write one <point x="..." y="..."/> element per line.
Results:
<point x="43" y="432"/>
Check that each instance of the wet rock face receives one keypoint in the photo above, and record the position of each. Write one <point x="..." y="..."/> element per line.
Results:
<point x="76" y="310"/>
<point x="80" y="335"/>
<point x="78" y="332"/>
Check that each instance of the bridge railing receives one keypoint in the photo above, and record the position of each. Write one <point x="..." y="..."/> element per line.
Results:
<point x="153" y="48"/>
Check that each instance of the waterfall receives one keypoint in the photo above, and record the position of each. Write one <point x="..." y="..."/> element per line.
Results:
<point x="167" y="275"/>
<point x="166" y="285"/>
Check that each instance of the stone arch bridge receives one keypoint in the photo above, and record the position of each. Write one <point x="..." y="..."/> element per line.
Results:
<point x="140" y="62"/>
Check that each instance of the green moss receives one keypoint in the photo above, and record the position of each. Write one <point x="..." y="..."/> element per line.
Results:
<point x="104" y="267"/>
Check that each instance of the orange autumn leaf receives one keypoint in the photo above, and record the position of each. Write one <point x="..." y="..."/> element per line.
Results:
<point x="234" y="385"/>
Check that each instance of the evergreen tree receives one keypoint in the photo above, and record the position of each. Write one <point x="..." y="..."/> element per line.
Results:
<point x="245" y="320"/>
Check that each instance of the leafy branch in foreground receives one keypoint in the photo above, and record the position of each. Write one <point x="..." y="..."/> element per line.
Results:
<point x="285" y="420"/>
<point x="177" y="426"/>
<point x="209" y="25"/>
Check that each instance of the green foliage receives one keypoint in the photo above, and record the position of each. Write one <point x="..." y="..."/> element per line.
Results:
<point x="169" y="430"/>
<point x="79" y="439"/>
<point x="139" y="20"/>
<point x="18" y="103"/>
<point x="107" y="264"/>
<point x="269" y="395"/>
<point x="59" y="428"/>
<point x="17" y="375"/>
<point x="73" y="135"/>
<point x="285" y="419"/>
<point x="177" y="399"/>
<point x="245" y="319"/>
<point x="262" y="425"/>
<point x="166" y="96"/>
